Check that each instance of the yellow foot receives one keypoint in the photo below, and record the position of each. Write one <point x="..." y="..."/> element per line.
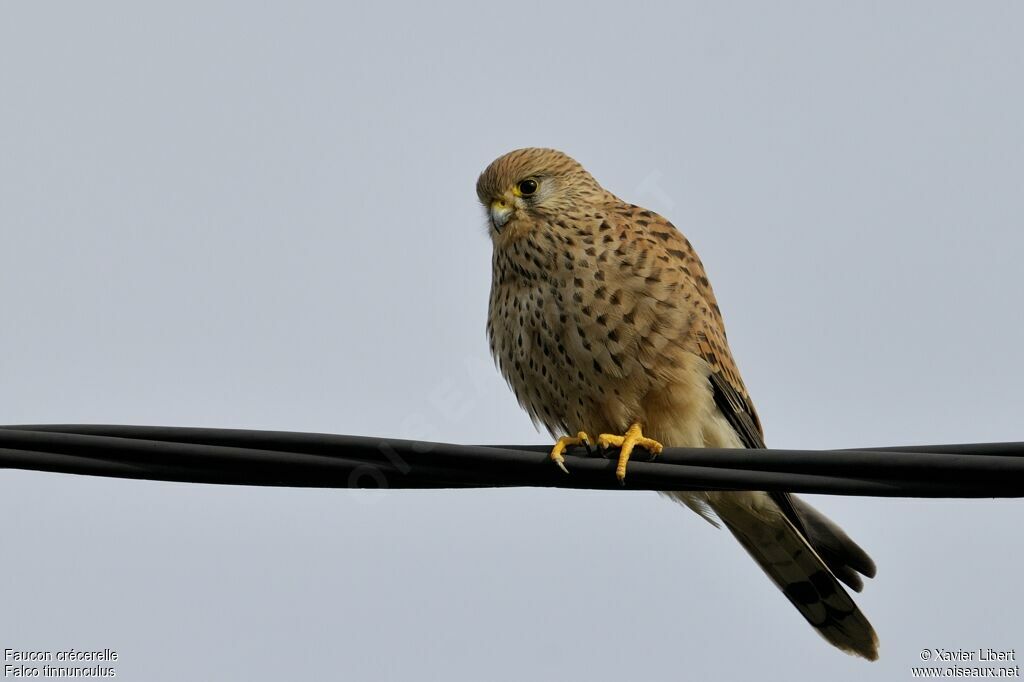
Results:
<point x="634" y="436"/>
<point x="580" y="438"/>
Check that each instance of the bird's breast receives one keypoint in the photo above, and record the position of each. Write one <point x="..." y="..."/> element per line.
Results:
<point x="558" y="332"/>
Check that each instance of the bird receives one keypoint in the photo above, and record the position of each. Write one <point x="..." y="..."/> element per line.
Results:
<point x="604" y="324"/>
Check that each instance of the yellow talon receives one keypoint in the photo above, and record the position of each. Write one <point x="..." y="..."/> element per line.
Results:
<point x="634" y="436"/>
<point x="580" y="438"/>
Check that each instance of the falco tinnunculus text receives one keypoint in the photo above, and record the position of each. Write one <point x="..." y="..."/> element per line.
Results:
<point x="603" y="321"/>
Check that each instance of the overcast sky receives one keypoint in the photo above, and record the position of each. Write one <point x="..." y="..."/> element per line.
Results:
<point x="218" y="214"/>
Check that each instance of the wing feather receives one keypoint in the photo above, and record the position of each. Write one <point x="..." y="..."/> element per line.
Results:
<point x="841" y="554"/>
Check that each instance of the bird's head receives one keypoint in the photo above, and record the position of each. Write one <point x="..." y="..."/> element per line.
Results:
<point x="523" y="189"/>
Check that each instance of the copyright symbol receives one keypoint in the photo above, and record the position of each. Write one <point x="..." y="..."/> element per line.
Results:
<point x="926" y="654"/>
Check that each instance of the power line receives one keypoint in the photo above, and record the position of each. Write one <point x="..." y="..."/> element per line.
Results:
<point x="280" y="458"/>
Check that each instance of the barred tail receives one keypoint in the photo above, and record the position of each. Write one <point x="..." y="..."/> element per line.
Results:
<point x="788" y="559"/>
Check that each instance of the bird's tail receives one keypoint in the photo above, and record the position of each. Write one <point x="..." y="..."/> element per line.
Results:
<point x="787" y="557"/>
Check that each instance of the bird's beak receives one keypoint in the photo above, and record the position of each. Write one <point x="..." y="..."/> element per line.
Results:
<point x="500" y="211"/>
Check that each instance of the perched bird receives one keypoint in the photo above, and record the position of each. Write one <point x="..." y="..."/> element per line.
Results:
<point x="604" y="323"/>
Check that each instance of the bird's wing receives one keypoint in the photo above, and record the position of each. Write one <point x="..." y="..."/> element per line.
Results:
<point x="736" y="408"/>
<point x="803" y="552"/>
<point x="712" y="346"/>
<point x="708" y="331"/>
<point x="844" y="557"/>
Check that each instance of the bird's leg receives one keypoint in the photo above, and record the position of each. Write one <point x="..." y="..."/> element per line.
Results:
<point x="634" y="436"/>
<point x="580" y="438"/>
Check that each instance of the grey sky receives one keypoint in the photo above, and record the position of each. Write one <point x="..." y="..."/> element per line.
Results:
<point x="214" y="214"/>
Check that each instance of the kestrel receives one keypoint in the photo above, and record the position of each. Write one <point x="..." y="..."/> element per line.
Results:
<point x="603" y="322"/>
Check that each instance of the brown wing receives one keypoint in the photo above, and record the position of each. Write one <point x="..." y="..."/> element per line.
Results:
<point x="710" y="339"/>
<point x="843" y="556"/>
<point x="737" y="411"/>
<point x="711" y="344"/>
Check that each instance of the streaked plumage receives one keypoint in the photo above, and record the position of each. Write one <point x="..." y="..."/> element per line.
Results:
<point x="601" y="316"/>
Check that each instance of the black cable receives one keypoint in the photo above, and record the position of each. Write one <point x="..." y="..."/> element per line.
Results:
<point x="277" y="458"/>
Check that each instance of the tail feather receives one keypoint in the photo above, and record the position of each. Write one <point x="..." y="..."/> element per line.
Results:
<point x="798" y="570"/>
<point x="839" y="552"/>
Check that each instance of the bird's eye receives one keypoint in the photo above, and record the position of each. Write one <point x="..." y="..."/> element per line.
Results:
<point x="527" y="186"/>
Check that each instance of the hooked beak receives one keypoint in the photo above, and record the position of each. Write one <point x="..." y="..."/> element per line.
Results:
<point x="500" y="212"/>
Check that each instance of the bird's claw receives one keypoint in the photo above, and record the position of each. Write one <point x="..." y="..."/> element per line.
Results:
<point x="580" y="438"/>
<point x="634" y="436"/>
